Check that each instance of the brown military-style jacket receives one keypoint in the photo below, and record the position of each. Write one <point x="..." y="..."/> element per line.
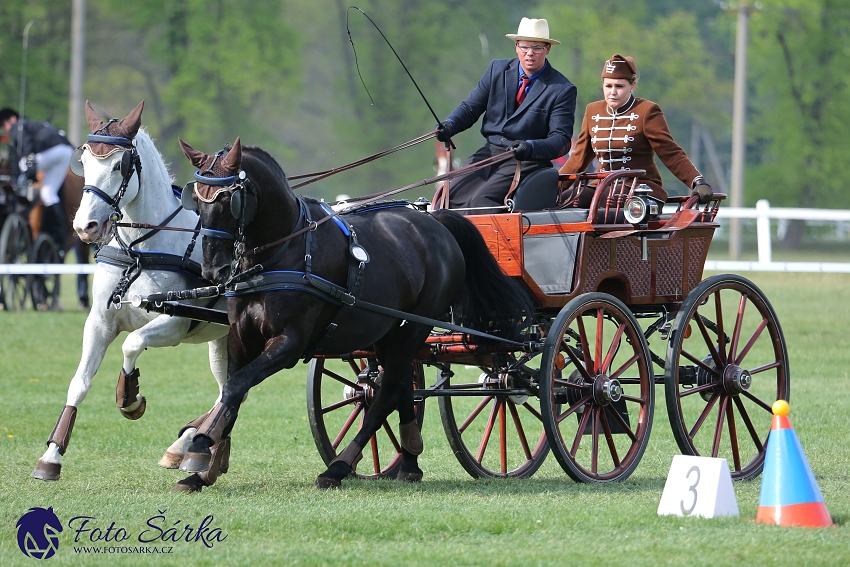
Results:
<point x="630" y="139"/>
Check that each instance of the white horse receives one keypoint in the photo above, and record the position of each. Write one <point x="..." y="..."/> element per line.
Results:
<point x="143" y="195"/>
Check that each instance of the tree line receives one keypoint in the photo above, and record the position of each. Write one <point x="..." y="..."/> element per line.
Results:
<point x="283" y="74"/>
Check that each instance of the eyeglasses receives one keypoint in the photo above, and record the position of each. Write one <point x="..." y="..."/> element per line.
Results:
<point x="536" y="49"/>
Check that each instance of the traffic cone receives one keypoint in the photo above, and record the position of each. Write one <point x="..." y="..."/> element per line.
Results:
<point x="789" y="493"/>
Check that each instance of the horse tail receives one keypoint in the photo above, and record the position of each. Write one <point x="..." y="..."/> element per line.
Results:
<point x="490" y="301"/>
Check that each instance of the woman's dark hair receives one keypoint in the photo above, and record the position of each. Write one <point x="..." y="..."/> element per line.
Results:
<point x="7" y="113"/>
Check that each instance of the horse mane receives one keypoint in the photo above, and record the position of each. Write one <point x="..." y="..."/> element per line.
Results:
<point x="145" y="142"/>
<point x="266" y="159"/>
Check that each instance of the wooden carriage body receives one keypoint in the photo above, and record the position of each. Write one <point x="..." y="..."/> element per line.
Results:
<point x="559" y="257"/>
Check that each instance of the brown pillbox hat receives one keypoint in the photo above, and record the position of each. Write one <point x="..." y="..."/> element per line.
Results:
<point x="619" y="67"/>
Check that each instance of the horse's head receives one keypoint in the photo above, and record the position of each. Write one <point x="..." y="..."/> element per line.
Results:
<point x="226" y="202"/>
<point x="107" y="162"/>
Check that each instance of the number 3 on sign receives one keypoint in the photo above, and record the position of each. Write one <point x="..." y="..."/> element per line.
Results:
<point x="698" y="486"/>
<point x="693" y="489"/>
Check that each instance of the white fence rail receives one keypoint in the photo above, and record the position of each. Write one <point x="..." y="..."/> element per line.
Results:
<point x="763" y="213"/>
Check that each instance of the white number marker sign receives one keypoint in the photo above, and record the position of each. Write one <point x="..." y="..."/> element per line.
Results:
<point x="698" y="486"/>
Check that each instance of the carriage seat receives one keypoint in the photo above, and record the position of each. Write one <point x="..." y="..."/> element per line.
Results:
<point x="537" y="191"/>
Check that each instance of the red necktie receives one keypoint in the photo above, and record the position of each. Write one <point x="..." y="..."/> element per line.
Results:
<point x="520" y="95"/>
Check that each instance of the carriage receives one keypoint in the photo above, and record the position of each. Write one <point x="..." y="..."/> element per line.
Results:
<point x="621" y="307"/>
<point x="22" y="240"/>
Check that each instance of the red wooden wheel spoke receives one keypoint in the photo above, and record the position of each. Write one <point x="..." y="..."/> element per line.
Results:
<point x="612" y="350"/>
<point x="624" y="426"/>
<point x="347" y="425"/>
<point x="600" y="321"/>
<point x="698" y="389"/>
<point x="342" y="380"/>
<point x="392" y="437"/>
<point x="533" y="411"/>
<point x="721" y="336"/>
<point x="581" y="425"/>
<point x="355" y="366"/>
<point x="739" y="323"/>
<point x="625" y="366"/>
<point x="474" y="414"/>
<point x="520" y="431"/>
<point x="746" y="418"/>
<point x="585" y="346"/>
<point x="700" y="363"/>
<point x="609" y="438"/>
<point x="733" y="436"/>
<point x="572" y="409"/>
<point x="758" y="401"/>
<point x="582" y="368"/>
<point x="342" y="403"/>
<point x="704" y="414"/>
<point x="776" y="364"/>
<point x="708" y="342"/>
<point x="488" y="430"/>
<point x="376" y="462"/>
<point x="634" y="399"/>
<point x="503" y="438"/>
<point x="594" y="448"/>
<point x="751" y="342"/>
<point x="718" y="428"/>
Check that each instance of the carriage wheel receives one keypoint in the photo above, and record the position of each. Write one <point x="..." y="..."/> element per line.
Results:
<point x="597" y="389"/>
<point x="14" y="249"/>
<point x="726" y="365"/>
<point x="338" y="398"/>
<point x="495" y="435"/>
<point x="44" y="288"/>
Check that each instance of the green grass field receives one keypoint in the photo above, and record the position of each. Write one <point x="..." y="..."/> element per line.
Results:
<point x="272" y="516"/>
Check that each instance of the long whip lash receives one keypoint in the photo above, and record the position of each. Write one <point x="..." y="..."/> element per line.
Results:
<point x="356" y="64"/>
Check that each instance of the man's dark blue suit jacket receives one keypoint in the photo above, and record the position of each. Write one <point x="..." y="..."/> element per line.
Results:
<point x="545" y="117"/>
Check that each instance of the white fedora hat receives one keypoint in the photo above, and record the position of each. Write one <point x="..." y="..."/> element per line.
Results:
<point x="532" y="30"/>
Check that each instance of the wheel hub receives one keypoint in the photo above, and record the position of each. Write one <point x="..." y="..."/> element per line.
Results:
<point x="606" y="390"/>
<point x="736" y="380"/>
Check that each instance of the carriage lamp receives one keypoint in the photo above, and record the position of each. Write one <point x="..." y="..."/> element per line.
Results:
<point x="640" y="208"/>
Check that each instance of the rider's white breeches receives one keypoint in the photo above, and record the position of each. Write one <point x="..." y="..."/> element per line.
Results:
<point x="54" y="162"/>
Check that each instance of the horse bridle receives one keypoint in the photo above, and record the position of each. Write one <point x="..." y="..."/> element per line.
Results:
<point x="130" y="162"/>
<point x="242" y="206"/>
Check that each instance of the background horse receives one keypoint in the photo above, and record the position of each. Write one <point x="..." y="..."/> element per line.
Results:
<point x="396" y="257"/>
<point x="148" y="198"/>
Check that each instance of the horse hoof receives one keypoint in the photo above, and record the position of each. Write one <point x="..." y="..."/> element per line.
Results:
<point x="327" y="483"/>
<point x="192" y="483"/>
<point x="46" y="471"/>
<point x="136" y="413"/>
<point x="170" y="460"/>
<point x="403" y="476"/>
<point x="196" y="462"/>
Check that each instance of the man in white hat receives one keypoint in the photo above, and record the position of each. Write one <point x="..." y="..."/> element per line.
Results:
<point x="528" y="106"/>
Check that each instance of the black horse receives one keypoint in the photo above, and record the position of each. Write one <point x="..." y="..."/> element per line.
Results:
<point x="299" y="301"/>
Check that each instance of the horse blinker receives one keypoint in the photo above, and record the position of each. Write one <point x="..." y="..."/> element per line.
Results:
<point x="77" y="163"/>
<point x="187" y="197"/>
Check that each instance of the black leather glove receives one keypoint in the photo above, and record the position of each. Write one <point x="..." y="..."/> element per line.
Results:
<point x="703" y="189"/>
<point x="522" y="150"/>
<point x="445" y="130"/>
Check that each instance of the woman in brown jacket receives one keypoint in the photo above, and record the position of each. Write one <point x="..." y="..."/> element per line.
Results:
<point x="625" y="132"/>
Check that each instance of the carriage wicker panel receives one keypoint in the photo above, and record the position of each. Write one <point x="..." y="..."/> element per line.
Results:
<point x="668" y="269"/>
<point x="696" y="260"/>
<point x="597" y="261"/>
<point x="638" y="272"/>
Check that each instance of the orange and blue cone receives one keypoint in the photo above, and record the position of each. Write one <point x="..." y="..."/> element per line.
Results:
<point x="789" y="493"/>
